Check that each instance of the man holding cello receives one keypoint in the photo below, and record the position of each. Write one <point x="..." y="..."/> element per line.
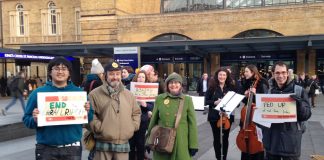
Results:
<point x="282" y="141"/>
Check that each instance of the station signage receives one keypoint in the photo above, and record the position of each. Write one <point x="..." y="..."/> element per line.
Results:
<point x="170" y="58"/>
<point x="127" y="56"/>
<point x="25" y="56"/>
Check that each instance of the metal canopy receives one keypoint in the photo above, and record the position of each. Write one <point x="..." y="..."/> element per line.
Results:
<point x="194" y="47"/>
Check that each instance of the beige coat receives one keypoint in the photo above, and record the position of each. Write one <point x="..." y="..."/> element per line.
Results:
<point x="108" y="124"/>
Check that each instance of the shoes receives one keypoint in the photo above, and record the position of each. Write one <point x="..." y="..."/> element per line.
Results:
<point x="3" y="112"/>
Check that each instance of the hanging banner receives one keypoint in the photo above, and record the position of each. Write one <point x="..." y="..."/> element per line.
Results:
<point x="127" y="56"/>
<point x="61" y="108"/>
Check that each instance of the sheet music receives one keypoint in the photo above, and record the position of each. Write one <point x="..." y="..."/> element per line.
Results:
<point x="230" y="101"/>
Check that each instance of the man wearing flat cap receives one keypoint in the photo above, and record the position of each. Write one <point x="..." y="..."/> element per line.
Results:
<point x="116" y="118"/>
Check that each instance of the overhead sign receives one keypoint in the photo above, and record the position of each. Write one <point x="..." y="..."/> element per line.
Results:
<point x="127" y="56"/>
<point x="61" y="108"/>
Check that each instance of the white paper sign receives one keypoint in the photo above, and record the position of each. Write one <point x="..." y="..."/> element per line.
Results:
<point x="198" y="102"/>
<point x="229" y="102"/>
<point x="61" y="108"/>
<point x="274" y="108"/>
<point x="144" y="91"/>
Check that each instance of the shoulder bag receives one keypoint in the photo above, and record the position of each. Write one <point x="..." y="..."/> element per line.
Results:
<point x="161" y="138"/>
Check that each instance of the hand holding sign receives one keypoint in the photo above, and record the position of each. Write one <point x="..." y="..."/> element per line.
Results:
<point x="35" y="114"/>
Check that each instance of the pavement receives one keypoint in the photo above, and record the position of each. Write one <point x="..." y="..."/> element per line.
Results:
<point x="24" y="148"/>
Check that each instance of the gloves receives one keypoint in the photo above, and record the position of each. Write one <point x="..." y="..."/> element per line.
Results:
<point x="148" y="149"/>
<point x="192" y="152"/>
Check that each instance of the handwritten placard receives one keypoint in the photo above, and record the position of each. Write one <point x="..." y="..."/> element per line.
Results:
<point x="145" y="91"/>
<point x="275" y="108"/>
<point x="61" y="108"/>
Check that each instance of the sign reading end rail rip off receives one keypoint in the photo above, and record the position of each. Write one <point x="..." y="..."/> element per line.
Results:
<point x="61" y="108"/>
<point x="275" y="108"/>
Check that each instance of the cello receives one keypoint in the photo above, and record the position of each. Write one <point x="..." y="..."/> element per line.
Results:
<point x="247" y="139"/>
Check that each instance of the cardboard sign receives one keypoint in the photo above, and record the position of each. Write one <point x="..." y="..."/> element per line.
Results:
<point x="61" y="108"/>
<point x="275" y="108"/>
<point x="144" y="91"/>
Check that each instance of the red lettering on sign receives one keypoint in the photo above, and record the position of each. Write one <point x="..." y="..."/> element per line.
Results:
<point x="146" y="86"/>
<point x="51" y="99"/>
<point x="277" y="99"/>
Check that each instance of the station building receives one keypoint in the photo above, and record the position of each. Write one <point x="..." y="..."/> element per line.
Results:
<point x="186" y="36"/>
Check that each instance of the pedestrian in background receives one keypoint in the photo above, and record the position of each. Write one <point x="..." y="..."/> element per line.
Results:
<point x="58" y="141"/>
<point x="127" y="75"/>
<point x="202" y="85"/>
<point x="165" y="107"/>
<point x="117" y="116"/>
<point x="17" y="87"/>
<point x="312" y="84"/>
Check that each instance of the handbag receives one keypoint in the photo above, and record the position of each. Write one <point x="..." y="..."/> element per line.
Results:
<point x="317" y="92"/>
<point x="161" y="138"/>
<point x="89" y="140"/>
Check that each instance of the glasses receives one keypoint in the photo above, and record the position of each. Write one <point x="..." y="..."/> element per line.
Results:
<point x="57" y="69"/>
<point x="280" y="73"/>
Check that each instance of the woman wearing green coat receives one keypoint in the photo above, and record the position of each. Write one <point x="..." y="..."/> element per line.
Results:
<point x="164" y="114"/>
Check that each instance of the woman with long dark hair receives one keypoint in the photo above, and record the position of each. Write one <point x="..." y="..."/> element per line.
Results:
<point x="254" y="83"/>
<point x="217" y="89"/>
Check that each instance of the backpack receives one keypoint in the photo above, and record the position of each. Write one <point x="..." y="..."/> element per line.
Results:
<point x="13" y="84"/>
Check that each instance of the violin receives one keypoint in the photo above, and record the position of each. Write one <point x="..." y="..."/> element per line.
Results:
<point x="247" y="139"/>
<point x="224" y="122"/>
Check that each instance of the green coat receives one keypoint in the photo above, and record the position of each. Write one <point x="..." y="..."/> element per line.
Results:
<point x="187" y="133"/>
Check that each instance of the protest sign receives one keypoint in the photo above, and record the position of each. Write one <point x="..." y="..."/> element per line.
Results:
<point x="144" y="91"/>
<point x="275" y="108"/>
<point x="61" y="108"/>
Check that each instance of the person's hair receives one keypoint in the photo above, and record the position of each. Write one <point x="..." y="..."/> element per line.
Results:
<point x="254" y="70"/>
<point x="136" y="76"/>
<point x="56" y="62"/>
<point x="214" y="82"/>
<point x="129" y="69"/>
<point x="279" y="63"/>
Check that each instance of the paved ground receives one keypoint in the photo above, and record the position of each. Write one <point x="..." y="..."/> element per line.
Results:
<point x="312" y="143"/>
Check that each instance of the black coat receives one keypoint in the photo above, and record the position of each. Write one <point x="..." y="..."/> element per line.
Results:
<point x="200" y="86"/>
<point x="262" y="87"/>
<point x="211" y="96"/>
<point x="284" y="139"/>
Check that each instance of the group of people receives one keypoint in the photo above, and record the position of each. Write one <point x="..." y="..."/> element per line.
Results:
<point x="282" y="141"/>
<point x="118" y="121"/>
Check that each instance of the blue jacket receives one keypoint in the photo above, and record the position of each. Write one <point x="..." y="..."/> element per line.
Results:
<point x="53" y="135"/>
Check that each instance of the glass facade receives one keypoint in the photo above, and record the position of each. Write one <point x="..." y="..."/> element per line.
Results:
<point x="201" y="5"/>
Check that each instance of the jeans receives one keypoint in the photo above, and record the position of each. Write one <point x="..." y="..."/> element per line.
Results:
<point x="45" y="152"/>
<point x="13" y="101"/>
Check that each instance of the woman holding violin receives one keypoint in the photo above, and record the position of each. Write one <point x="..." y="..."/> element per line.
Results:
<point x="247" y="140"/>
<point x="218" y="87"/>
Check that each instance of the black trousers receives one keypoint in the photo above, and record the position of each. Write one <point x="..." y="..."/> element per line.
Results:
<point x="217" y="143"/>
<point x="44" y="152"/>
<point x="276" y="157"/>
<point x="256" y="156"/>
<point x="137" y="143"/>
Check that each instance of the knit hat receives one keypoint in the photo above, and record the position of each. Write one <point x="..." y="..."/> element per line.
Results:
<point x="147" y="68"/>
<point x="96" y="67"/>
<point x="174" y="77"/>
